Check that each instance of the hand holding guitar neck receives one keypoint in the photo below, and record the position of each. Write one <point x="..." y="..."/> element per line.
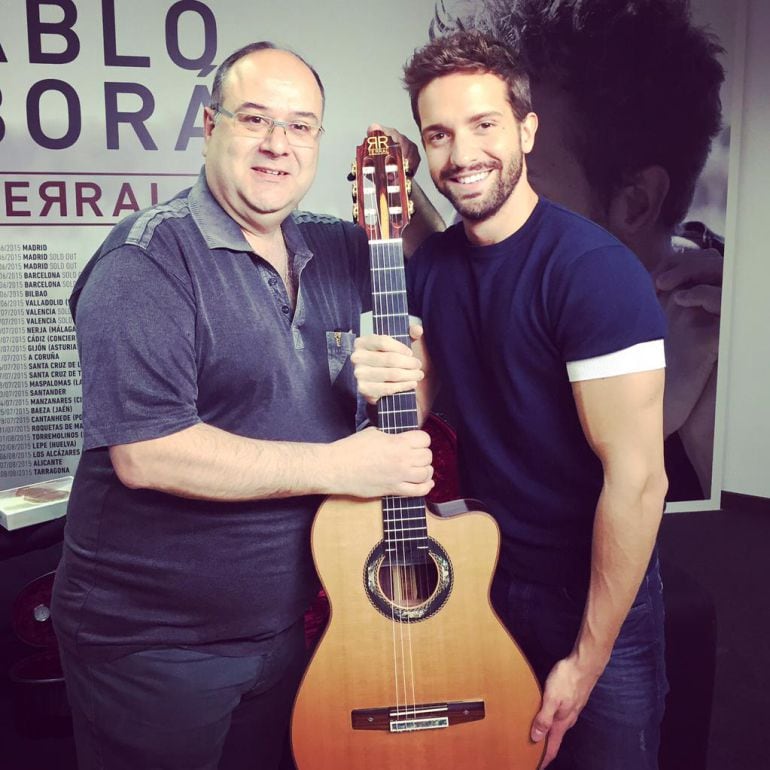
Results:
<point x="384" y="366"/>
<point x="373" y="464"/>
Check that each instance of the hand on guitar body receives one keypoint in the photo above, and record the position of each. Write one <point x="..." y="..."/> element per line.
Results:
<point x="373" y="464"/>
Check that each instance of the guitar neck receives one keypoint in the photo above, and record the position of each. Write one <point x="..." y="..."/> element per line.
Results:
<point x="390" y="316"/>
<point x="383" y="210"/>
<point x="404" y="524"/>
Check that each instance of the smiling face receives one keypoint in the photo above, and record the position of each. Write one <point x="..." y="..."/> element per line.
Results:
<point x="260" y="180"/>
<point x="475" y="146"/>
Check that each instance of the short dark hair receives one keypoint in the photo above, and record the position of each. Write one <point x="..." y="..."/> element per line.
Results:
<point x="262" y="45"/>
<point x="642" y="79"/>
<point x="468" y="52"/>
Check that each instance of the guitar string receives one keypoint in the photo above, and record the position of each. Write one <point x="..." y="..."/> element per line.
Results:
<point x="405" y="504"/>
<point x="396" y="508"/>
<point x="370" y="202"/>
<point x="410" y="414"/>
<point x="395" y="319"/>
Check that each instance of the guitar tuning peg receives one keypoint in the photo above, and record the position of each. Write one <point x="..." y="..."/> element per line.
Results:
<point x="407" y="171"/>
<point x="354" y="192"/>
<point x="408" y="186"/>
<point x="353" y="172"/>
<point x="410" y="208"/>
<point x="355" y="213"/>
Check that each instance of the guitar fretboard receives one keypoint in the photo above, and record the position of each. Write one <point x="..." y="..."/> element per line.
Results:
<point x="404" y="522"/>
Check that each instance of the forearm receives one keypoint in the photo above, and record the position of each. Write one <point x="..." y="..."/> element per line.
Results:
<point x="691" y="355"/>
<point x="204" y="462"/>
<point x="627" y="519"/>
<point x="697" y="433"/>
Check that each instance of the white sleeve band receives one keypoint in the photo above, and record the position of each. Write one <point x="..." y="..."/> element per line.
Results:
<point x="643" y="357"/>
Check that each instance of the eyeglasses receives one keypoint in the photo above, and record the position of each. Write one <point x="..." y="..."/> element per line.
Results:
<point x="298" y="133"/>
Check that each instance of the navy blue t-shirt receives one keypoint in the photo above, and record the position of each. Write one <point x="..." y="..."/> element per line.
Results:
<point x="501" y="322"/>
<point x="179" y="322"/>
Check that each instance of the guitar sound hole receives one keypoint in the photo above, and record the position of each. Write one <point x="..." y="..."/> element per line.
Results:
<point x="408" y="585"/>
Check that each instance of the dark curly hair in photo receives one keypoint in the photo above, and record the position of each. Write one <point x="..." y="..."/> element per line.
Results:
<point x="642" y="78"/>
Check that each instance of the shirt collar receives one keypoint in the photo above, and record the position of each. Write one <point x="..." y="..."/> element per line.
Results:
<point x="221" y="231"/>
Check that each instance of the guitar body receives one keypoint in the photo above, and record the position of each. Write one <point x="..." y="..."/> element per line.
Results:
<point x="451" y="649"/>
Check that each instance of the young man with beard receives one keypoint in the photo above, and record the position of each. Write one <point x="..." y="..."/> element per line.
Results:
<point x="219" y="405"/>
<point x="546" y="337"/>
<point x="628" y="97"/>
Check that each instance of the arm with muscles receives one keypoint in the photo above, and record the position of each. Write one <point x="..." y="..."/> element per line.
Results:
<point x="622" y="421"/>
<point x="384" y="366"/>
<point x="697" y="433"/>
<point x="205" y="462"/>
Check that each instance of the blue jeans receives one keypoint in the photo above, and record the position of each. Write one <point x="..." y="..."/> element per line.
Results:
<point x="619" y="728"/>
<point x="185" y="709"/>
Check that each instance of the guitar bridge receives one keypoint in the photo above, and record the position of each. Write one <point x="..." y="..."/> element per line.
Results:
<point x="410" y="725"/>
<point x="423" y="716"/>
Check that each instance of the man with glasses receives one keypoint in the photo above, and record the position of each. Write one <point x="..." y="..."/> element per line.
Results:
<point x="219" y="405"/>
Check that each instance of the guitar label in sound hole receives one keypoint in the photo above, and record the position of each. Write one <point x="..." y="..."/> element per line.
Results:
<point x="410" y="591"/>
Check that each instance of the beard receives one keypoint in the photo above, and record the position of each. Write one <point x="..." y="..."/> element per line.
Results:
<point x="483" y="207"/>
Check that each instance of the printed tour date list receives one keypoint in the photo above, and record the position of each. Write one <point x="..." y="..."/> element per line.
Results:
<point x="40" y="406"/>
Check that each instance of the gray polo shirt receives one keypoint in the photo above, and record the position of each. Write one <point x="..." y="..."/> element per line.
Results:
<point x="179" y="322"/>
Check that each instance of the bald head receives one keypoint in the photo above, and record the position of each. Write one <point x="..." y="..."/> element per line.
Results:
<point x="259" y="177"/>
<point x="221" y="76"/>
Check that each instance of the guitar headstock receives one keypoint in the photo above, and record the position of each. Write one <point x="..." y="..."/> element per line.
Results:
<point x="381" y="189"/>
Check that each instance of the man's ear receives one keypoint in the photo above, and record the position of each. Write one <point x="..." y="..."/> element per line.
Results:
<point x="208" y="127"/>
<point x="527" y="131"/>
<point x="636" y="206"/>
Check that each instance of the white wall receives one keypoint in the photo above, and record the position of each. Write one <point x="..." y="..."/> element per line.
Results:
<point x="747" y="374"/>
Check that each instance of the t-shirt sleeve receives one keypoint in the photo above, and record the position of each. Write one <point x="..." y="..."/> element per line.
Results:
<point x="643" y="357"/>
<point x="136" y="338"/>
<point x="601" y="303"/>
<point x="416" y="267"/>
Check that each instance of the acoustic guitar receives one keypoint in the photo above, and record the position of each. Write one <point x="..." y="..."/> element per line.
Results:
<point x="414" y="670"/>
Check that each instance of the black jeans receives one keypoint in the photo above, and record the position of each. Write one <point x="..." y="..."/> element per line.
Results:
<point x="184" y="709"/>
